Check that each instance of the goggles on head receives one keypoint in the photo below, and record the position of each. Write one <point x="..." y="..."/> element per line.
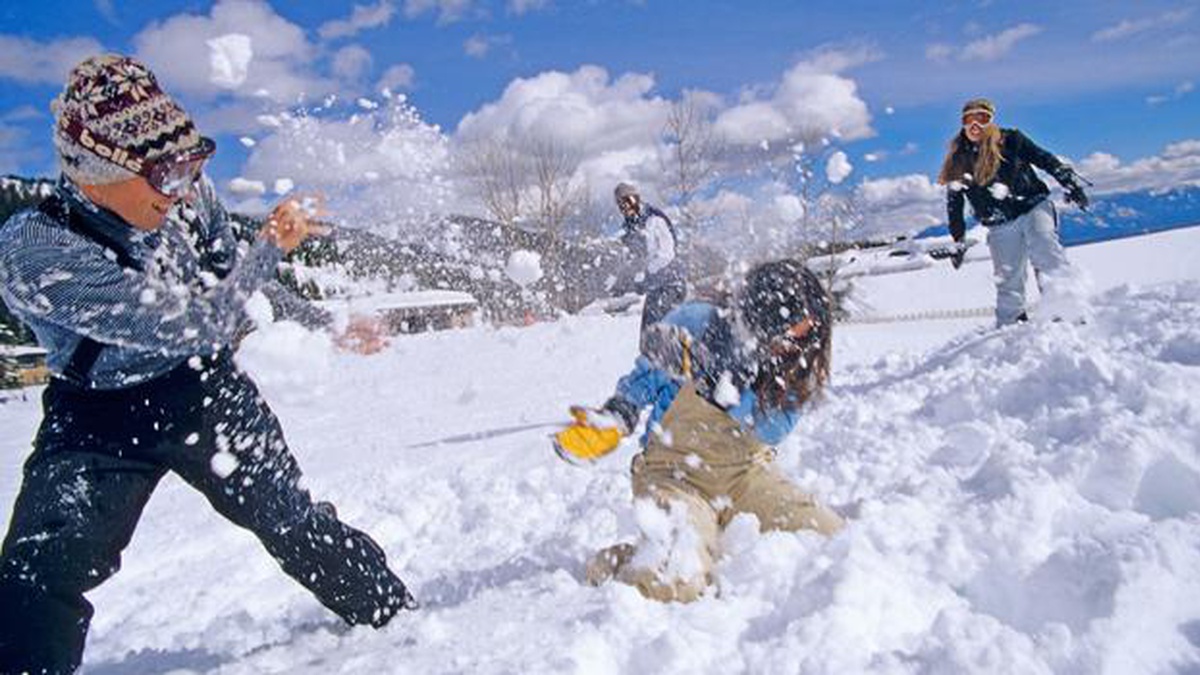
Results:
<point x="173" y="174"/>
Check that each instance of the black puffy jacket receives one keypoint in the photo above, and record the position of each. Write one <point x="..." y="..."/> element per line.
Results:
<point x="1022" y="189"/>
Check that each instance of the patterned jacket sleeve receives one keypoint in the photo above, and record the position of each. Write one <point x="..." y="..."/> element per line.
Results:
<point x="71" y="282"/>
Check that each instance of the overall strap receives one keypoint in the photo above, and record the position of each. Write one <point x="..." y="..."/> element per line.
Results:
<point x="79" y="366"/>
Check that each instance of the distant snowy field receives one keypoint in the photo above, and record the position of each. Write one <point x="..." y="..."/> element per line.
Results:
<point x="1023" y="501"/>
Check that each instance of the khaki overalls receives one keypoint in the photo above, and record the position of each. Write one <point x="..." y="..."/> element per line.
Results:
<point x="703" y="461"/>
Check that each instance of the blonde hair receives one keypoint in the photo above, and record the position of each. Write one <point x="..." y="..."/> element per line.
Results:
<point x="958" y="164"/>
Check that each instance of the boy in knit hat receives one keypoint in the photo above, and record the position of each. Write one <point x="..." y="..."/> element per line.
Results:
<point x="138" y="315"/>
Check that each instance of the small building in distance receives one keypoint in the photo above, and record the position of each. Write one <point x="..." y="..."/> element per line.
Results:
<point x="22" y="366"/>
<point x="411" y="311"/>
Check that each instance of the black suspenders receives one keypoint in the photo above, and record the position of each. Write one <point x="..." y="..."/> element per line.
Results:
<point x="79" y="366"/>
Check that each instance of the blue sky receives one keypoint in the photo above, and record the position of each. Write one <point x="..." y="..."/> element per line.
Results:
<point x="1115" y="78"/>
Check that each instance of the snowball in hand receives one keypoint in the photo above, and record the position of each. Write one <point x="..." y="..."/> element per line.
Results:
<point x="524" y="267"/>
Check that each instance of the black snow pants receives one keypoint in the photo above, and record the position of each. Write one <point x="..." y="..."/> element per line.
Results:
<point x="97" y="457"/>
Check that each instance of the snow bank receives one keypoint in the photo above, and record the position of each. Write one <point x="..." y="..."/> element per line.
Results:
<point x="1024" y="500"/>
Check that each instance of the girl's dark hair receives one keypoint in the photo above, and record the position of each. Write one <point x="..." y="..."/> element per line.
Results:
<point x="778" y="295"/>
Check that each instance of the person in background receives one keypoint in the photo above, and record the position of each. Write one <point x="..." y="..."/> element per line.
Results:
<point x="649" y="236"/>
<point x="138" y="314"/>
<point x="724" y="384"/>
<point x="992" y="168"/>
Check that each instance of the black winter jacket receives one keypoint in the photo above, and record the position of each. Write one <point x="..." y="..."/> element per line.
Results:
<point x="1022" y="189"/>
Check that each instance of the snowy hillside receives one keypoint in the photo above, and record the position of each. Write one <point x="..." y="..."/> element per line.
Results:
<point x="1024" y="500"/>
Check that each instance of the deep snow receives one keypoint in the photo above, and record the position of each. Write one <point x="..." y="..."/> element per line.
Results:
<point x="1024" y="500"/>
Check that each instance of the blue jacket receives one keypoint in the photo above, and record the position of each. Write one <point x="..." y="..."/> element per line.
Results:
<point x="722" y="367"/>
<point x="150" y="299"/>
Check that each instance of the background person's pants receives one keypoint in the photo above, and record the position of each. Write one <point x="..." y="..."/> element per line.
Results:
<point x="97" y="458"/>
<point x="1032" y="237"/>
<point x="665" y="290"/>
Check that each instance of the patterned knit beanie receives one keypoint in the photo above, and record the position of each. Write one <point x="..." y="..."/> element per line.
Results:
<point x="112" y="117"/>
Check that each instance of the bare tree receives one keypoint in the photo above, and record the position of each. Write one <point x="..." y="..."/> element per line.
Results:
<point x="498" y="174"/>
<point x="558" y="195"/>
<point x="525" y="179"/>
<point x="694" y="152"/>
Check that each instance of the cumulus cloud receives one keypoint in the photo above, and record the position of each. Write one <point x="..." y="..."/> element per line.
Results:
<point x="351" y="63"/>
<point x="582" y="109"/>
<point x="838" y="167"/>
<point x="901" y="203"/>
<point x="812" y="100"/>
<point x="362" y="17"/>
<point x="33" y="62"/>
<point x="995" y="46"/>
<point x="177" y="50"/>
<point x="1130" y="27"/>
<point x="1178" y="164"/>
<point x="397" y="77"/>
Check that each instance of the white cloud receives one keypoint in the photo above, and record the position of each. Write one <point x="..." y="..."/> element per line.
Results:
<point x="397" y="77"/>
<point x="362" y="17"/>
<point x="106" y="10"/>
<point x="911" y="202"/>
<point x="939" y="52"/>
<point x="479" y="45"/>
<point x="178" y="52"/>
<point x="1179" y="164"/>
<point x="812" y="100"/>
<point x="520" y="7"/>
<point x="447" y="10"/>
<point x="29" y="61"/>
<point x="351" y="63"/>
<point x="995" y="46"/>
<point x="1130" y="27"/>
<point x="1182" y="89"/>
<point x="583" y="109"/>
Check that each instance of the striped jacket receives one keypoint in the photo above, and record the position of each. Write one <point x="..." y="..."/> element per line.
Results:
<point x="171" y="303"/>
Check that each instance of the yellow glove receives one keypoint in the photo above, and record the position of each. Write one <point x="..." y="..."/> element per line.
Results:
<point x="585" y="440"/>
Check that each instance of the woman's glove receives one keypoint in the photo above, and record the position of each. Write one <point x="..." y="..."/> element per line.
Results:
<point x="592" y="435"/>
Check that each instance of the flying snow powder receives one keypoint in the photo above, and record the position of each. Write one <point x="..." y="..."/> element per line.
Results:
<point x="838" y="167"/>
<point x="229" y="59"/>
<point x="524" y="267"/>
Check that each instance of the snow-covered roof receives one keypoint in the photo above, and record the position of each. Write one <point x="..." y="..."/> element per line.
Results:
<point x="21" y="350"/>
<point x="403" y="300"/>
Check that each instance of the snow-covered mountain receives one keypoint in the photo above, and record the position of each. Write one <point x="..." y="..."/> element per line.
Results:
<point x="1024" y="500"/>
<point x="1124" y="214"/>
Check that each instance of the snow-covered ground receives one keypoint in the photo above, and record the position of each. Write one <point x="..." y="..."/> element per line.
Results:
<point x="1024" y="500"/>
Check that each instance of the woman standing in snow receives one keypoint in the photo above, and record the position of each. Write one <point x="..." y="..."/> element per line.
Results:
<point x="724" y="384"/>
<point x="993" y="169"/>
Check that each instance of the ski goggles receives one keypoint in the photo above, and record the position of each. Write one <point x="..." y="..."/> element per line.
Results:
<point x="980" y="117"/>
<point x="794" y="338"/>
<point x="173" y="174"/>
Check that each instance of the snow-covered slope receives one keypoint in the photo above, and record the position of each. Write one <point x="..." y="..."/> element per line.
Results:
<point x="1022" y="501"/>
